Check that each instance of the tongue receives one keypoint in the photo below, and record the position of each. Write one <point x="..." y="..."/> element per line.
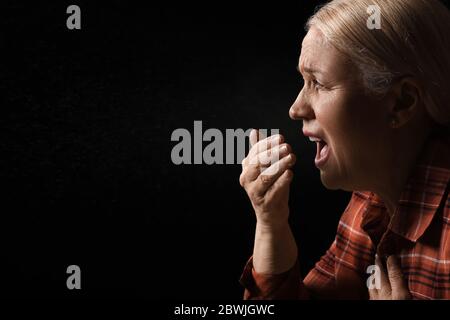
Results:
<point x="324" y="150"/>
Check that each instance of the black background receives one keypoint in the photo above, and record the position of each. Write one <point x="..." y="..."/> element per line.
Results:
<point x="87" y="117"/>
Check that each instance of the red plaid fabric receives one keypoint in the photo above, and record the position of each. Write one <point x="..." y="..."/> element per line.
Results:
<point x="418" y="234"/>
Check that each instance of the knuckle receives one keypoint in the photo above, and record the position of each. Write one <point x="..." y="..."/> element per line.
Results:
<point x="287" y="160"/>
<point x="265" y="179"/>
<point x="258" y="202"/>
<point x="254" y="162"/>
<point x="288" y="146"/>
<point x="284" y="145"/>
<point x="290" y="160"/>
<point x="252" y="194"/>
<point x="395" y="275"/>
<point x="386" y="293"/>
<point x="242" y="180"/>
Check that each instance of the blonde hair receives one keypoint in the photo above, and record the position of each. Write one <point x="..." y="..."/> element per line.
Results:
<point x="414" y="40"/>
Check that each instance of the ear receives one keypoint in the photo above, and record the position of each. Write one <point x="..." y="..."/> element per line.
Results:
<point x="407" y="94"/>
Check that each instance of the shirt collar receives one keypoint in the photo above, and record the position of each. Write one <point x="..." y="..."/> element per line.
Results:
<point x="425" y="191"/>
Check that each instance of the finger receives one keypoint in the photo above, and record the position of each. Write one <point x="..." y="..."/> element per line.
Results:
<point x="264" y="144"/>
<point x="270" y="156"/>
<point x="373" y="294"/>
<point x="271" y="174"/>
<point x="250" y="173"/>
<point x="398" y="283"/>
<point x="253" y="167"/>
<point x="384" y="280"/>
<point x="253" y="137"/>
<point x="281" y="186"/>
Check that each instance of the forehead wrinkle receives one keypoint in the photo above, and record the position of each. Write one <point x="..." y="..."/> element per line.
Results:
<point x="309" y="49"/>
<point x="313" y="43"/>
<point x="304" y="59"/>
<point x="307" y="66"/>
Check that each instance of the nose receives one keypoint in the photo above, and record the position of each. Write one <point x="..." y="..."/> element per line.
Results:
<point x="301" y="109"/>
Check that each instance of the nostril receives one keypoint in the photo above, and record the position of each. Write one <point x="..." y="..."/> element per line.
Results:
<point x="300" y="111"/>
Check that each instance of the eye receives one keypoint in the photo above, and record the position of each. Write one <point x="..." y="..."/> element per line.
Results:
<point x="317" y="84"/>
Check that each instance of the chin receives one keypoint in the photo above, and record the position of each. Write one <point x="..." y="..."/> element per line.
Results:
<point x="332" y="181"/>
<point x="328" y="183"/>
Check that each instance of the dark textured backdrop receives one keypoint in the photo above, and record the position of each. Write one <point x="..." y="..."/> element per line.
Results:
<point x="87" y="115"/>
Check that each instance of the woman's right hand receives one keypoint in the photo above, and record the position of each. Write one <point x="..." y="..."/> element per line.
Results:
<point x="266" y="177"/>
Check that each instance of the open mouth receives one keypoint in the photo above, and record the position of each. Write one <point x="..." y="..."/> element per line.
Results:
<point x="323" y="151"/>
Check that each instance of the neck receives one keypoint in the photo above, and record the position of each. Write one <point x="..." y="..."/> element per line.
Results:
<point x="390" y="186"/>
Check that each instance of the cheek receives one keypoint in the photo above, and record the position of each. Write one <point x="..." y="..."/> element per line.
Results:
<point x="350" y="125"/>
<point x="337" y="117"/>
<point x="367" y="115"/>
<point x="357" y="118"/>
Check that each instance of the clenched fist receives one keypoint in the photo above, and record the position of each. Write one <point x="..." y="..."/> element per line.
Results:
<point x="266" y="177"/>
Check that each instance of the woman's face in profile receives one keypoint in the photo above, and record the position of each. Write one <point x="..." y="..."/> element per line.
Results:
<point x="352" y="125"/>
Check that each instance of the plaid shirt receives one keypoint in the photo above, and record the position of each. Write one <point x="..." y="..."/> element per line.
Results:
<point x="418" y="234"/>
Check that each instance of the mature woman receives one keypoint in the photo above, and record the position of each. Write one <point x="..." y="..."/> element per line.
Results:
<point x="377" y="104"/>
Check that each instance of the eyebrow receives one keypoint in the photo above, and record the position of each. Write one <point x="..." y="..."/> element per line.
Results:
<point x="309" y="70"/>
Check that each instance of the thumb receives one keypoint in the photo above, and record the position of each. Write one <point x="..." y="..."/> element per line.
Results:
<point x="281" y="185"/>
<point x="398" y="284"/>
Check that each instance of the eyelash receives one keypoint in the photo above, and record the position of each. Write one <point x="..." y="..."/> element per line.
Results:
<point x="316" y="84"/>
